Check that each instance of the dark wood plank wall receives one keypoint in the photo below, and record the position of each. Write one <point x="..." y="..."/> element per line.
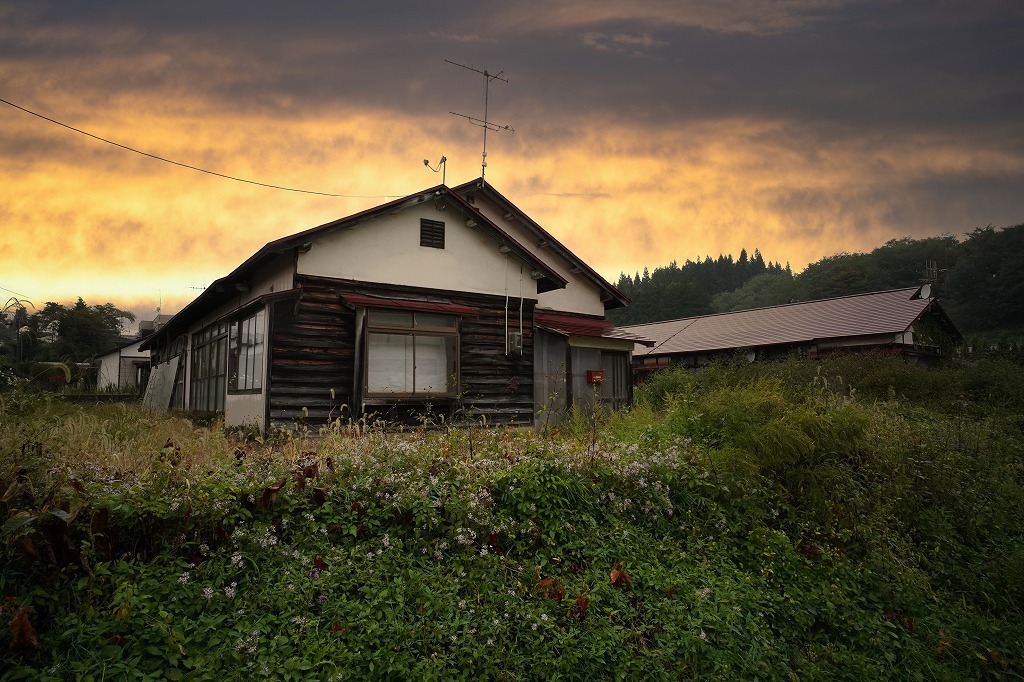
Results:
<point x="313" y="350"/>
<point x="495" y="386"/>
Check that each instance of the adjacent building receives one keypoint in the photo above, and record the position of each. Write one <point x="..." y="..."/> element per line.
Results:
<point x="906" y="321"/>
<point x="125" y="366"/>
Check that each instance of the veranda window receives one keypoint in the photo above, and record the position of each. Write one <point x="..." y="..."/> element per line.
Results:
<point x="411" y="354"/>
<point x="246" y="343"/>
<point x="209" y="368"/>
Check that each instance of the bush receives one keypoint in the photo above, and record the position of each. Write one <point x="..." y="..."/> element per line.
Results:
<point x="733" y="525"/>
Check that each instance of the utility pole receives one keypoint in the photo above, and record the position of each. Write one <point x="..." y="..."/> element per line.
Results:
<point x="484" y="123"/>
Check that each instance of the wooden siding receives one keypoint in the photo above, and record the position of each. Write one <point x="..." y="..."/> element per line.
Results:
<point x="314" y="344"/>
<point x="312" y="351"/>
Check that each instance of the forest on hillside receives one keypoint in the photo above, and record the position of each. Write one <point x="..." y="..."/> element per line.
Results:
<point x="979" y="280"/>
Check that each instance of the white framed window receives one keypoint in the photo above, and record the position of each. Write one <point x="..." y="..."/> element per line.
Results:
<point x="411" y="354"/>
<point x="247" y="345"/>
<point x="209" y="368"/>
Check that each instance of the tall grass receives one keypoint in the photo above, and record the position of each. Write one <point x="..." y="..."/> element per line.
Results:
<point x="812" y="521"/>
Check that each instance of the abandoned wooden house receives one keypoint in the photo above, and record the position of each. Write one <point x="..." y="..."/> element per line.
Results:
<point x="905" y="321"/>
<point x="450" y="303"/>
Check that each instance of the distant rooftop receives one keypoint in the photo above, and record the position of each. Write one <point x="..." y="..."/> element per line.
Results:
<point x="147" y="327"/>
<point x="884" y="312"/>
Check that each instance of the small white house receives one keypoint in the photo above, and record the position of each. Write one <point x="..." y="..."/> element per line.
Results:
<point x="122" y="367"/>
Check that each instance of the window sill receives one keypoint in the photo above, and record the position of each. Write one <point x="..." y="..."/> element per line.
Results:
<point x="406" y="398"/>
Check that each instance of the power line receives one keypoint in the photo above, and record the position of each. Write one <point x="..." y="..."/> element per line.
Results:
<point x="196" y="168"/>
<point x="12" y="291"/>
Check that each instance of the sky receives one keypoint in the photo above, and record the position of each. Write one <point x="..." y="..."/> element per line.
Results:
<point x="640" y="132"/>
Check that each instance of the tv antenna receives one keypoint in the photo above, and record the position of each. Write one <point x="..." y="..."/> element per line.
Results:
<point x="442" y="166"/>
<point x="484" y="122"/>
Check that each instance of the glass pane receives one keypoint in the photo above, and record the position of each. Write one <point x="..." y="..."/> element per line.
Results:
<point x="435" y="321"/>
<point x="256" y="368"/>
<point x="257" y="355"/>
<point x="234" y="361"/>
<point x="432" y="365"/>
<point x="389" y="318"/>
<point x="219" y="386"/>
<point x="245" y="353"/>
<point x="389" y="363"/>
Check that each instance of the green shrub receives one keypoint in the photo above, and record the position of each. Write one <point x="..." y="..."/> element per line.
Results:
<point x="735" y="524"/>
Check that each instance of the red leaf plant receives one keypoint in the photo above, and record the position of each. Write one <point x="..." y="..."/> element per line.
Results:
<point x="619" y="576"/>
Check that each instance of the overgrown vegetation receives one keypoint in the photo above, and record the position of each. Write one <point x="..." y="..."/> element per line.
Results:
<point x="856" y="519"/>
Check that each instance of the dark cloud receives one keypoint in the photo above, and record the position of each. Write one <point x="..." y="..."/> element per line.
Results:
<point x="869" y="63"/>
<point x="817" y="120"/>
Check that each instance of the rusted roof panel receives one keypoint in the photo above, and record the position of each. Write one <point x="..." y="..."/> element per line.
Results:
<point x="409" y="304"/>
<point x="571" y="325"/>
<point x="884" y="312"/>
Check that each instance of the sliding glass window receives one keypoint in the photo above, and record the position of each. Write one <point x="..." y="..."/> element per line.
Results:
<point x="209" y="368"/>
<point x="247" y="351"/>
<point x="411" y="354"/>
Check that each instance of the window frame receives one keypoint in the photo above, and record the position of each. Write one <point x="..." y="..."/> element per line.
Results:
<point x="209" y="354"/>
<point x="419" y="327"/>
<point x="258" y="328"/>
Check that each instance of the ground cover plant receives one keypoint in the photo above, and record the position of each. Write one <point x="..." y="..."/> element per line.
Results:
<point x="796" y="521"/>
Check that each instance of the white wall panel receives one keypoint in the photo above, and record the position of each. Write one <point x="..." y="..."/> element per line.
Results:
<point x="387" y="250"/>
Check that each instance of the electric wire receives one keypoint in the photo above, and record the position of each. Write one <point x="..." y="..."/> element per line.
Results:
<point x="196" y="168"/>
<point x="12" y="291"/>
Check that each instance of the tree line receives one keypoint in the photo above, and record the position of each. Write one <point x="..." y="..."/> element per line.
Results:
<point x="979" y="280"/>
<point x="69" y="334"/>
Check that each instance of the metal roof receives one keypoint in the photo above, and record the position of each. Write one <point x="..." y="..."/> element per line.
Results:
<point x="883" y="312"/>
<point x="571" y="325"/>
<point x="403" y="303"/>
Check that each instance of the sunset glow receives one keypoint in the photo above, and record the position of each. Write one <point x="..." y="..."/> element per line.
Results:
<point x="685" y="130"/>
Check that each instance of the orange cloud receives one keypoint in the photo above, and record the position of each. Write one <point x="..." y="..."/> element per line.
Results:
<point x="92" y="220"/>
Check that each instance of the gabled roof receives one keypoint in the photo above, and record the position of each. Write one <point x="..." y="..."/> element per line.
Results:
<point x="879" y="313"/>
<point x="612" y="297"/>
<point x="121" y="345"/>
<point x="226" y="288"/>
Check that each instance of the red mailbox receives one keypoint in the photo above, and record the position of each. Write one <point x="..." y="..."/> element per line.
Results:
<point x="595" y="376"/>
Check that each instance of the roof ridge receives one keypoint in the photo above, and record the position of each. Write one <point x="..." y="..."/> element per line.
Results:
<point x="777" y="305"/>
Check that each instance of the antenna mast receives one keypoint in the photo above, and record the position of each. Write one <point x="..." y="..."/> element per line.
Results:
<point x="484" y="122"/>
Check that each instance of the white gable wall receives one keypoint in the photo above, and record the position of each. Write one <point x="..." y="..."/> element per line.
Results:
<point x="387" y="250"/>
<point x="578" y="296"/>
<point x="109" y="373"/>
